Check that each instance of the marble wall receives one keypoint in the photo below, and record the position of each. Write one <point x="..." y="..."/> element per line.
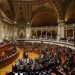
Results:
<point x="7" y="31"/>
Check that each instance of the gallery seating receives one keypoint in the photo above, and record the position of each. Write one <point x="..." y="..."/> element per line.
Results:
<point x="8" y="51"/>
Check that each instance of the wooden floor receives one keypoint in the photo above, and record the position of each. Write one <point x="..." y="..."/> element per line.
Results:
<point x="8" y="68"/>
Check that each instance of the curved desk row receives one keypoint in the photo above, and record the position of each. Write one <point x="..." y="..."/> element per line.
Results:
<point x="6" y="59"/>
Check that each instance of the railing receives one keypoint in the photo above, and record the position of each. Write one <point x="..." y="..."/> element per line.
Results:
<point x="65" y="43"/>
<point x="47" y="27"/>
<point x="54" y="27"/>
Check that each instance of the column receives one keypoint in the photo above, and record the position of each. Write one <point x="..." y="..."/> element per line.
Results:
<point x="6" y="31"/>
<point x="1" y="30"/>
<point x="15" y="32"/>
<point x="12" y="31"/>
<point x="36" y="33"/>
<point x="46" y="34"/>
<point x="4" y="27"/>
<point x="73" y="33"/>
<point x="41" y="33"/>
<point x="28" y="32"/>
<point x="51" y="33"/>
<point x="9" y="32"/>
<point x="74" y="39"/>
<point x="66" y="33"/>
<point x="60" y="29"/>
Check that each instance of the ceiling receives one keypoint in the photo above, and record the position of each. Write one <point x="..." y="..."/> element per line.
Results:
<point x="40" y="12"/>
<point x="44" y="19"/>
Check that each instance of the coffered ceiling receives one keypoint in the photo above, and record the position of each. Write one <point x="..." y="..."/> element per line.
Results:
<point x="37" y="11"/>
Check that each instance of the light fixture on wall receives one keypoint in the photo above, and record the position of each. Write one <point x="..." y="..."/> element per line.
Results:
<point x="27" y="36"/>
<point x="15" y="22"/>
<point x="28" y="23"/>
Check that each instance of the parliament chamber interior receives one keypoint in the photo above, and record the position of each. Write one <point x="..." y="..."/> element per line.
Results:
<point x="37" y="37"/>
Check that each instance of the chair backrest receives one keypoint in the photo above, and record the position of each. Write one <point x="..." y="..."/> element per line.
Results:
<point x="16" y="73"/>
<point x="21" y="73"/>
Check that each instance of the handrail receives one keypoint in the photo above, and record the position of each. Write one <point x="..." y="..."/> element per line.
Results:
<point x="71" y="45"/>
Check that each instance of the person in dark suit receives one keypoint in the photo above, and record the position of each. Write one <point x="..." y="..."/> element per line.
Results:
<point x="25" y="55"/>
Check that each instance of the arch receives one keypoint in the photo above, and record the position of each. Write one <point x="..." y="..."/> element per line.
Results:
<point x="69" y="11"/>
<point x="44" y="18"/>
<point x="56" y="9"/>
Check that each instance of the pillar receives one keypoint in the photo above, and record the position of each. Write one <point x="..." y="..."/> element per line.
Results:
<point x="41" y="33"/>
<point x="51" y="33"/>
<point x="15" y="32"/>
<point x="36" y="33"/>
<point x="66" y="33"/>
<point x="74" y="39"/>
<point x="12" y="32"/>
<point x="60" y="29"/>
<point x="28" y="32"/>
<point x="8" y="32"/>
<point x="73" y="33"/>
<point x="46" y="34"/>
<point x="1" y="30"/>
<point x="5" y="31"/>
